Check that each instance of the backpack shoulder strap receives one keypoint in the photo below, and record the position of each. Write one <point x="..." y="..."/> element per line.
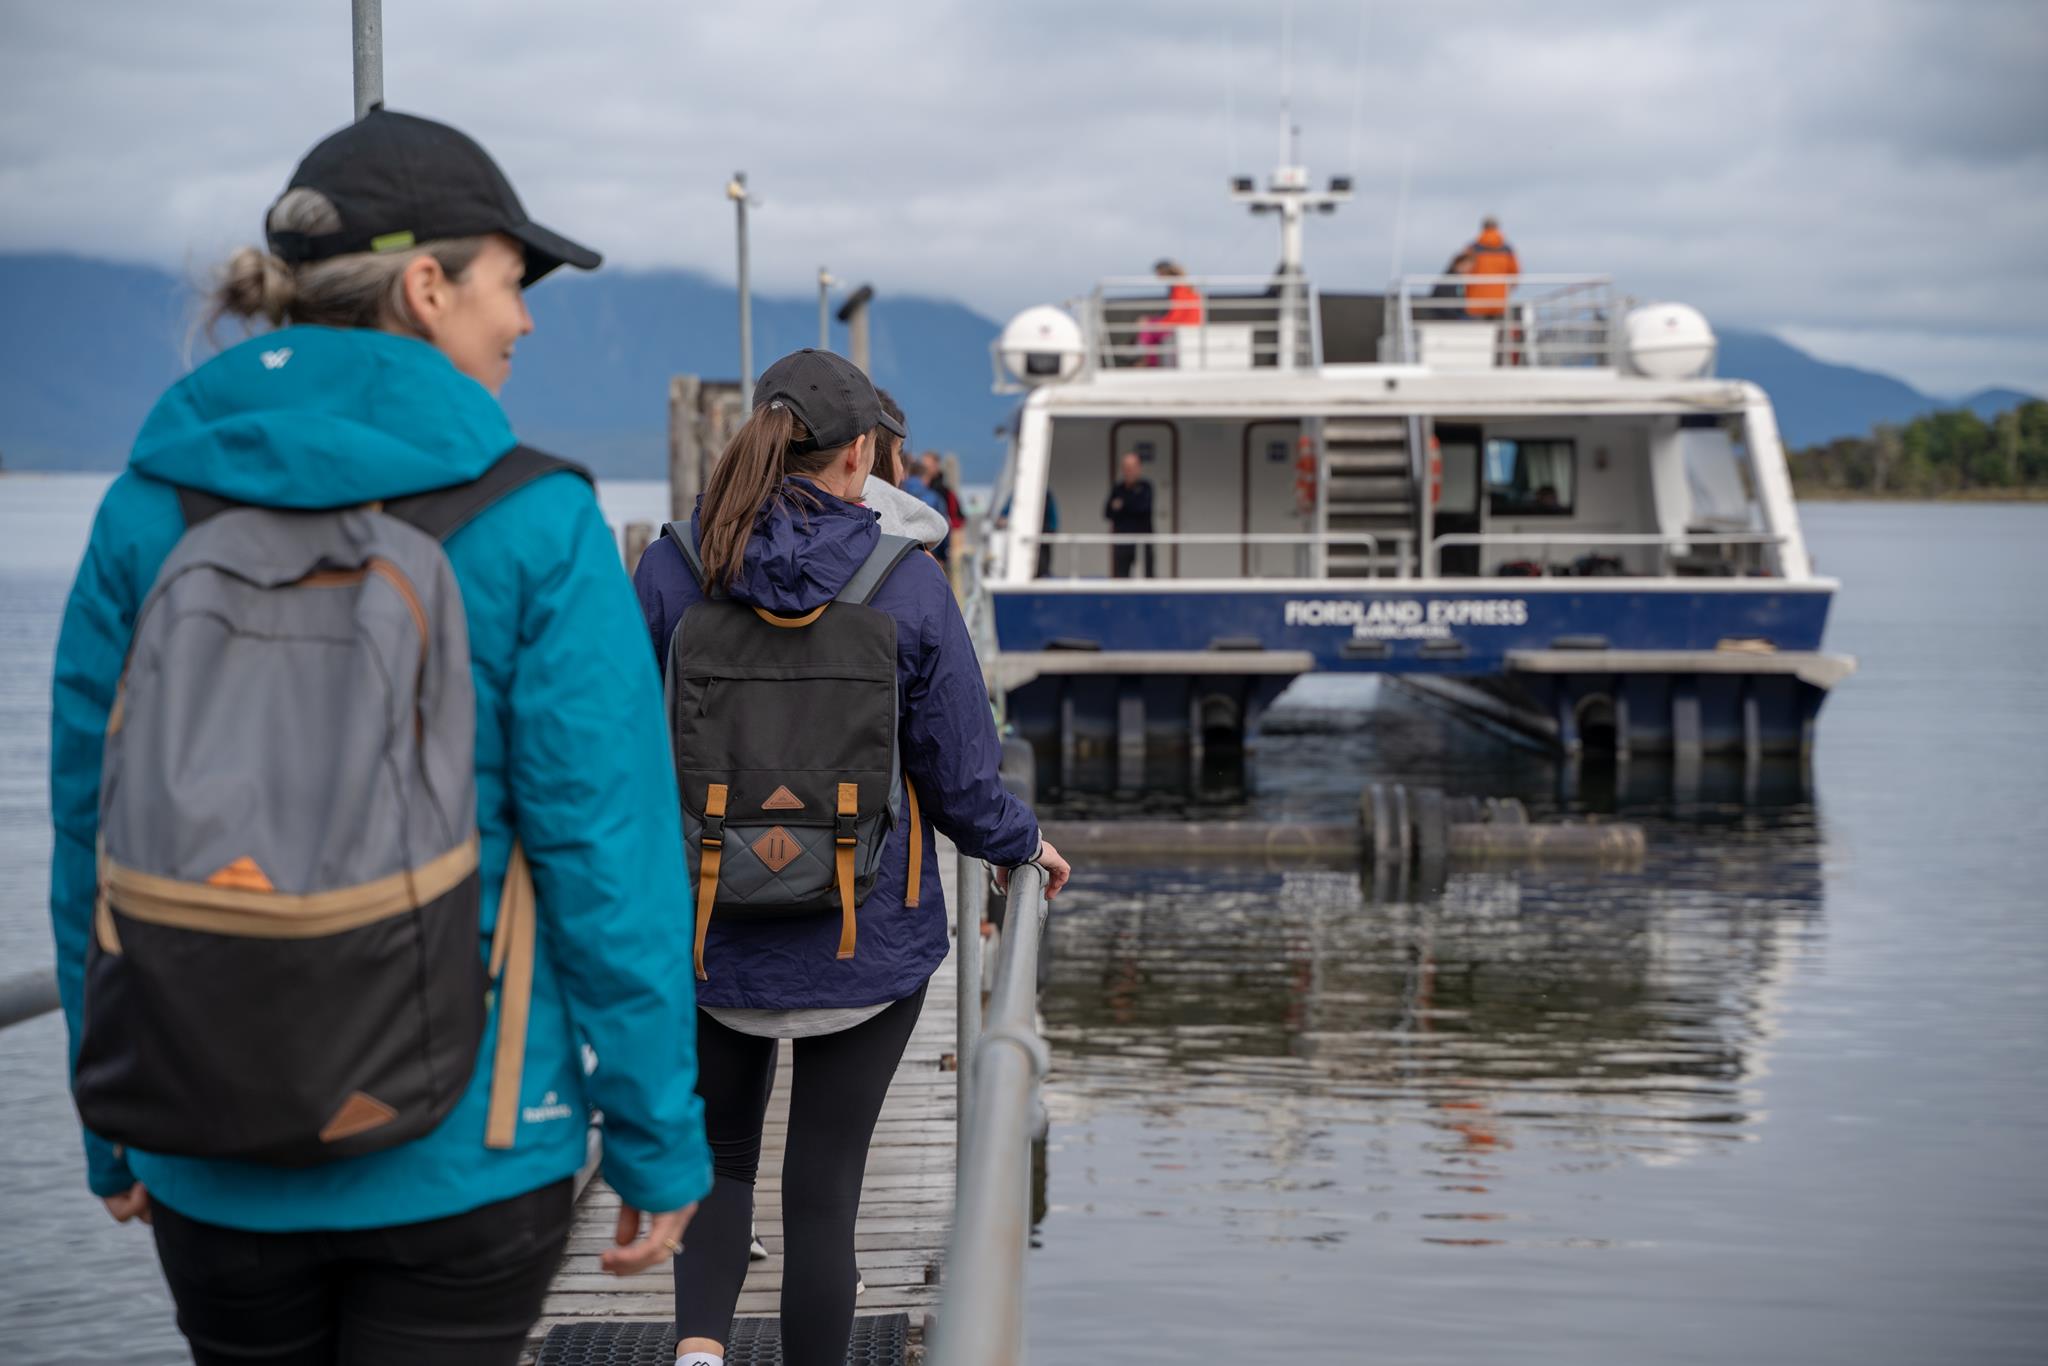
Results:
<point x="443" y="512"/>
<point x="889" y="552"/>
<point x="198" y="505"/>
<point x="686" y="542"/>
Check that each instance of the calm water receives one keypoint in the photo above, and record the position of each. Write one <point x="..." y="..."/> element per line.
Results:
<point x="1777" y="1096"/>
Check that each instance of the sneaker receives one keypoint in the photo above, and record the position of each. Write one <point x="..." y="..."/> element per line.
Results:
<point x="757" y="1251"/>
<point x="860" y="1287"/>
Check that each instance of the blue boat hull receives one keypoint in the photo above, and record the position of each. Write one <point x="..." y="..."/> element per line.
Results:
<point x="1407" y="630"/>
<point x="1154" y="725"/>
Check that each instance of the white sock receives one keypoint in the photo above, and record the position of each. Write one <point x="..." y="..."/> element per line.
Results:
<point x="701" y="1359"/>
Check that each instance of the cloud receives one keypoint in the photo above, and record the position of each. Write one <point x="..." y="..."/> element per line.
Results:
<point x="1871" y="173"/>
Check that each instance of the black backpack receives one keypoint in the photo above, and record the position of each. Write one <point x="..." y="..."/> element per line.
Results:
<point x="784" y="733"/>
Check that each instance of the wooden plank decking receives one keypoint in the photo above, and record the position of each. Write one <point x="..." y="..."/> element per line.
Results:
<point x="906" y="1202"/>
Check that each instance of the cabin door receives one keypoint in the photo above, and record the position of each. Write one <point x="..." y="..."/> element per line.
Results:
<point x="1457" y="509"/>
<point x="1269" y="501"/>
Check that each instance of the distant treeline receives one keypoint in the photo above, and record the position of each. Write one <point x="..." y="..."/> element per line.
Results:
<point x="1954" y="451"/>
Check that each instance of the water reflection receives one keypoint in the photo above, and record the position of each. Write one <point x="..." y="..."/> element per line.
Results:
<point x="1300" y="1058"/>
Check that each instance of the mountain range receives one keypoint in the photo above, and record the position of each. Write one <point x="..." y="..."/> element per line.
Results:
<point x="87" y="345"/>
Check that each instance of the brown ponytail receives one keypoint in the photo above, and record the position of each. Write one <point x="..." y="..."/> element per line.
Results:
<point x="770" y="446"/>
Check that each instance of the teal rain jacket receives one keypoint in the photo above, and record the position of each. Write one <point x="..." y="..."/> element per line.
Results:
<point x="571" y="755"/>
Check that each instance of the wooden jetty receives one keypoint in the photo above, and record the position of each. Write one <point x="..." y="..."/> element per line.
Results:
<point x="906" y="1200"/>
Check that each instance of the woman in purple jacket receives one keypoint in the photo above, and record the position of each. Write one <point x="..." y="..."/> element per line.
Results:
<point x="782" y="527"/>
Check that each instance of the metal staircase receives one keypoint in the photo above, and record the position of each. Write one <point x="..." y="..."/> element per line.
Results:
<point x="1369" y="507"/>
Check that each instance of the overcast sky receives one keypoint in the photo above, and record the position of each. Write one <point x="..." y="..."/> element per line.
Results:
<point x="1867" y="177"/>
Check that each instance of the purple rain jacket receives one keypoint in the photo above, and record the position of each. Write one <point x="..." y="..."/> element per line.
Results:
<point x="798" y="558"/>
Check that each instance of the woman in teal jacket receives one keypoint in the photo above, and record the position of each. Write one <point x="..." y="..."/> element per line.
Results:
<point x="382" y="384"/>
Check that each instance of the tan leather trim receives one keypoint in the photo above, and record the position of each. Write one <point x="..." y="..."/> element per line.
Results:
<point x="849" y="805"/>
<point x="915" y="876"/>
<point x="782" y="799"/>
<point x="707" y="874"/>
<point x="517" y="925"/>
<point x="393" y="575"/>
<point x="281" y="915"/>
<point x="791" y="622"/>
<point x="331" y="578"/>
<point x="103" y="925"/>
<point x="359" y="1114"/>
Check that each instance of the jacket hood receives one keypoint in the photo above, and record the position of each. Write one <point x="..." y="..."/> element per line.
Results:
<point x="905" y="514"/>
<point x="1490" y="237"/>
<point x="801" y="555"/>
<point x="316" y="417"/>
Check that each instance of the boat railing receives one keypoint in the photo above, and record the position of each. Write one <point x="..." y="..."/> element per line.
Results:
<point x="1220" y="322"/>
<point x="1668" y="545"/>
<point x="1003" y="1061"/>
<point x="27" y="995"/>
<point x="1541" y="321"/>
<point x="1355" y="548"/>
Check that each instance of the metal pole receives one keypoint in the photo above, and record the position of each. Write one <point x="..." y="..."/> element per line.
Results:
<point x="972" y="885"/>
<point x="736" y="190"/>
<point x="981" y="1320"/>
<point x="369" y="50"/>
<point x="31" y="994"/>
<point x="825" y="283"/>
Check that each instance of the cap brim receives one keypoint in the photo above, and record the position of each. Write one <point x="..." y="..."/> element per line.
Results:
<point x="893" y="425"/>
<point x="545" y="250"/>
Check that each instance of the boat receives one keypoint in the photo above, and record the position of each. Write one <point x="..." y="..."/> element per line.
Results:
<point x="1544" y="509"/>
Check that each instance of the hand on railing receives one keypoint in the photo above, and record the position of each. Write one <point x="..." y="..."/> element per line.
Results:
<point x="1057" y="870"/>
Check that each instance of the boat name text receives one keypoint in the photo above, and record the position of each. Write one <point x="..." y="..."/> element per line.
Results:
<point x="1405" y="618"/>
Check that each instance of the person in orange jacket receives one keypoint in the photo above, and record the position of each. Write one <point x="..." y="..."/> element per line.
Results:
<point x="1491" y="260"/>
<point x="1183" y="309"/>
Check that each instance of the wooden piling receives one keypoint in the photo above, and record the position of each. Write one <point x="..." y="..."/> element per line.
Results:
<point x="638" y="534"/>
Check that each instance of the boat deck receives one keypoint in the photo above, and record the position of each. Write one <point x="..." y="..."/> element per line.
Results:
<point x="906" y="1204"/>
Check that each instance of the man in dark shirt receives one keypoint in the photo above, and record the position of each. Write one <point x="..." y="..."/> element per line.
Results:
<point x="1129" y="511"/>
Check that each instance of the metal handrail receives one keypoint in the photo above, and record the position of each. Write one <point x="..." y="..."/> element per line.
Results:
<point x="1541" y="539"/>
<point x="1287" y="304"/>
<point x="981" y="1313"/>
<point x="1542" y="320"/>
<point x="27" y="995"/>
<point x="1315" y="540"/>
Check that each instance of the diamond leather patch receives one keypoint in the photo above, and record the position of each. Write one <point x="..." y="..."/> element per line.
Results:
<point x="359" y="1114"/>
<point x="782" y="799"/>
<point x="777" y="849"/>
<point x="242" y="875"/>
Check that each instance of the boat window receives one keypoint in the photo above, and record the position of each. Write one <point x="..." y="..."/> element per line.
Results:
<point x="1529" y="476"/>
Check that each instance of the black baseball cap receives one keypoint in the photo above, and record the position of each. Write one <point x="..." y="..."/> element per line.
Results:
<point x="398" y="180"/>
<point x="828" y="393"/>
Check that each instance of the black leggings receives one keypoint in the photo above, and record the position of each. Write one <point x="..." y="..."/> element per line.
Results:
<point x="836" y="1093"/>
<point x="459" y="1291"/>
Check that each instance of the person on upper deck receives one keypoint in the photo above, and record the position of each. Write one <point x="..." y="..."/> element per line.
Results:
<point x="394" y="277"/>
<point x="1183" y="309"/>
<point x="1129" y="510"/>
<point x="1494" y="268"/>
<point x="780" y="529"/>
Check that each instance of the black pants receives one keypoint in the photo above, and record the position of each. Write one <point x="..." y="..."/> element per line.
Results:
<point x="836" y="1090"/>
<point x="1121" y="556"/>
<point x="460" y="1291"/>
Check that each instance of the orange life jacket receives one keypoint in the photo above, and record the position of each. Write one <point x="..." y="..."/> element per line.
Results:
<point x="1184" y="307"/>
<point x="1490" y="255"/>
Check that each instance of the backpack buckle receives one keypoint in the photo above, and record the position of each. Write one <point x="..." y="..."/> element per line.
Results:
<point x="714" y="831"/>
<point x="846" y="831"/>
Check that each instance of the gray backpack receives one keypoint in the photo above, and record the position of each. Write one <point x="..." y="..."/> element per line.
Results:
<point x="286" y="961"/>
<point x="784" y="730"/>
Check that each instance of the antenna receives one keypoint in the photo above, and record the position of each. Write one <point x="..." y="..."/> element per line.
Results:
<point x="1286" y="82"/>
<point x="1401" y="212"/>
<point x="1358" y="82"/>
